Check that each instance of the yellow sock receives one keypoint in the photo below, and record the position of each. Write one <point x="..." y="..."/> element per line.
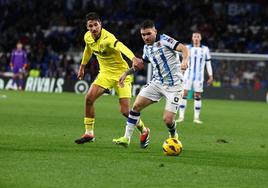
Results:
<point x="89" y="125"/>
<point x="141" y="127"/>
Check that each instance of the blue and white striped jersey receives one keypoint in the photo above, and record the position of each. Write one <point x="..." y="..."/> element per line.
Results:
<point x="199" y="57"/>
<point x="162" y="56"/>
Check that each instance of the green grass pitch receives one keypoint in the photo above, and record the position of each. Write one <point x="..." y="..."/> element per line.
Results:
<point x="37" y="133"/>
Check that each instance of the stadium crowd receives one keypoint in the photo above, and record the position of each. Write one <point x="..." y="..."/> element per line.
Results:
<point x="52" y="33"/>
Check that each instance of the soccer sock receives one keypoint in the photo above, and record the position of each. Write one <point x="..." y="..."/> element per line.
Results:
<point x="132" y="120"/>
<point x="172" y="129"/>
<point x="183" y="105"/>
<point x="197" y="107"/>
<point x="141" y="127"/>
<point x="89" y="125"/>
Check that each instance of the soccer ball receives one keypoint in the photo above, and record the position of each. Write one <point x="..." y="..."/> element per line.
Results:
<point x="172" y="147"/>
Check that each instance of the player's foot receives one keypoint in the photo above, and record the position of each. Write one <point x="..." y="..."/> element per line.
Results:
<point x="198" y="121"/>
<point x="123" y="141"/>
<point x="179" y="120"/>
<point x="85" y="138"/>
<point x="144" y="138"/>
<point x="176" y="136"/>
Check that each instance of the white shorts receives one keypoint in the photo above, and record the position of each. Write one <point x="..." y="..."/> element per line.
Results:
<point x="155" y="92"/>
<point x="197" y="86"/>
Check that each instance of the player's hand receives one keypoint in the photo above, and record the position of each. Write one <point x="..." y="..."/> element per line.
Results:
<point x="137" y="63"/>
<point x="184" y="64"/>
<point x="122" y="79"/>
<point x="210" y="80"/>
<point x="81" y="73"/>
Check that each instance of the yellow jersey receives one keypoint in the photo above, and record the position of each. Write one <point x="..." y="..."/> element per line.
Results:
<point x="108" y="52"/>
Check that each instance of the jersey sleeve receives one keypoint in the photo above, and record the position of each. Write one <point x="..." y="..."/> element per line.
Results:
<point x="119" y="46"/>
<point x="145" y="57"/>
<point x="169" y="41"/>
<point x="208" y="63"/>
<point x="87" y="53"/>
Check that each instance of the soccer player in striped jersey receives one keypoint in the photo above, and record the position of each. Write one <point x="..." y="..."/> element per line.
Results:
<point x="160" y="51"/>
<point x="108" y="51"/>
<point x="194" y="76"/>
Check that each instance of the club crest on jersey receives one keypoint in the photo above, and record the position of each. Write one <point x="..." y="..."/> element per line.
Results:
<point x="170" y="40"/>
<point x="158" y="44"/>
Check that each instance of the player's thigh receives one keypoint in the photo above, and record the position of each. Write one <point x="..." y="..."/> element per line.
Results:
<point x="198" y="86"/>
<point x="172" y="101"/>
<point x="94" y="92"/>
<point x="104" y="81"/>
<point x="187" y="84"/>
<point x="123" y="92"/>
<point x="141" y="102"/>
<point x="152" y="92"/>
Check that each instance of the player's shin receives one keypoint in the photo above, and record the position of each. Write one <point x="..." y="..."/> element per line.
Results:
<point x="89" y="125"/>
<point x="132" y="120"/>
<point x="172" y="130"/>
<point x="197" y="107"/>
<point x="183" y="104"/>
<point x="140" y="126"/>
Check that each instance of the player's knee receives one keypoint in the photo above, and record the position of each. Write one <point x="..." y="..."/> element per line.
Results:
<point x="89" y="99"/>
<point x="197" y="97"/>
<point x="168" y="119"/>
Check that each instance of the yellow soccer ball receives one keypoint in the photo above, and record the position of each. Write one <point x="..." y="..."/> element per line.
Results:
<point x="172" y="147"/>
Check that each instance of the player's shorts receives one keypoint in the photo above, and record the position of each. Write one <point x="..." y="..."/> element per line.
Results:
<point x="17" y="70"/>
<point x="108" y="82"/>
<point x="172" y="94"/>
<point x="197" y="86"/>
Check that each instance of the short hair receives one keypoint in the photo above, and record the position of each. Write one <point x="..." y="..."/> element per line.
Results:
<point x="92" y="16"/>
<point x="197" y="31"/>
<point x="147" y="24"/>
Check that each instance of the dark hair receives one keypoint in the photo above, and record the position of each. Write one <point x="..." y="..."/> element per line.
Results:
<point x="147" y="24"/>
<point x="197" y="31"/>
<point x="92" y="16"/>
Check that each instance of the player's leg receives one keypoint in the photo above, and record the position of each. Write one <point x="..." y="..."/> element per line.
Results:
<point x="94" y="92"/>
<point x="182" y="106"/>
<point x="169" y="119"/>
<point x="147" y="96"/>
<point x="124" y="94"/>
<point x="132" y="121"/>
<point x="172" y="103"/>
<point x="198" y="88"/>
<point x="197" y="107"/>
<point x="20" y="80"/>
<point x="187" y="85"/>
<point x="97" y="88"/>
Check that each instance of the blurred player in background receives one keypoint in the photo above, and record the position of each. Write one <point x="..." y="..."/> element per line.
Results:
<point x="107" y="49"/>
<point x="194" y="76"/>
<point x="18" y="64"/>
<point x="160" y="50"/>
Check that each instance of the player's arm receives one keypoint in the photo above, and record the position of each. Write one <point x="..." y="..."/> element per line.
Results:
<point x="175" y="45"/>
<point x="185" y="55"/>
<point x="119" y="46"/>
<point x="25" y="63"/>
<point x="86" y="57"/>
<point x="209" y="68"/>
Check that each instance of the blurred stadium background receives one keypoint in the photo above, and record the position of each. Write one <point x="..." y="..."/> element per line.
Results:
<point x="37" y="130"/>
<point x="52" y="34"/>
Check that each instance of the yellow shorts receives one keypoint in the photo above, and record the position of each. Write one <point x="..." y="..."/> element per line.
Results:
<point x="107" y="82"/>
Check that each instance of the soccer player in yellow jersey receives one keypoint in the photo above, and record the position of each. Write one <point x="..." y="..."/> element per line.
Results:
<point x="107" y="49"/>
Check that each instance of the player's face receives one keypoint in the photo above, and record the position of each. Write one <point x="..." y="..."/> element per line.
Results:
<point x="19" y="46"/>
<point x="94" y="27"/>
<point x="148" y="35"/>
<point x="196" y="38"/>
